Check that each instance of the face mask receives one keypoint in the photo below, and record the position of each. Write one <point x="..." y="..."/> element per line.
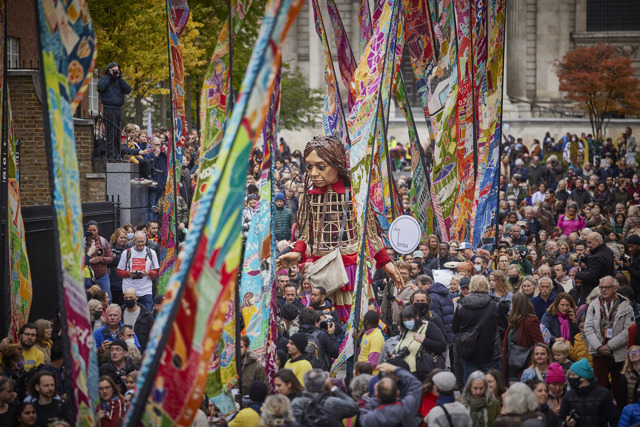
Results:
<point x="421" y="307"/>
<point x="635" y="181"/>
<point x="97" y="315"/>
<point x="409" y="324"/>
<point x="130" y="303"/>
<point x="522" y="232"/>
<point x="478" y="268"/>
<point x="130" y="342"/>
<point x="513" y="279"/>
<point x="574" y="383"/>
<point x="129" y="236"/>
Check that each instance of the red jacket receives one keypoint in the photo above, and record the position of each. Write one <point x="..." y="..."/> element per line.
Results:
<point x="528" y="335"/>
<point x="100" y="263"/>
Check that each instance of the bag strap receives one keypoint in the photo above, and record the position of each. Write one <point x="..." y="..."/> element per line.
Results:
<point x="323" y="214"/>
<point x="446" y="413"/>
<point x="347" y="194"/>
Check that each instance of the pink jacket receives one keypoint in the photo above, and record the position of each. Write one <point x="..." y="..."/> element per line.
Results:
<point x="568" y="226"/>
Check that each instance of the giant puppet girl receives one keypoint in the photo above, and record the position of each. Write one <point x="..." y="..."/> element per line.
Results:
<point x="326" y="185"/>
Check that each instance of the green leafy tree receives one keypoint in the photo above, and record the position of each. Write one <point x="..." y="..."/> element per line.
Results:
<point x="299" y="105"/>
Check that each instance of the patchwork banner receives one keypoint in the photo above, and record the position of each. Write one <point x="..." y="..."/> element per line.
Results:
<point x="187" y="330"/>
<point x="214" y="100"/>
<point x="333" y="120"/>
<point x="257" y="291"/>
<point x="19" y="272"/>
<point x="372" y="86"/>
<point x="68" y="51"/>
<point x="488" y="46"/>
<point x="177" y="18"/>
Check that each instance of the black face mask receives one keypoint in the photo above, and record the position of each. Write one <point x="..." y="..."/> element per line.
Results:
<point x="513" y="279"/>
<point x="421" y="307"/>
<point x="574" y="383"/>
<point x="130" y="303"/>
<point x="97" y="315"/>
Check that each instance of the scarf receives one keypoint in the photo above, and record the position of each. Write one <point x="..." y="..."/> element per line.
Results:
<point x="565" y="330"/>
<point x="478" y="410"/>
<point x="442" y="399"/>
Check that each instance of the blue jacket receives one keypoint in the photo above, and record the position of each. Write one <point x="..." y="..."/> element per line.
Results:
<point x="112" y="91"/>
<point x="442" y="306"/>
<point x="101" y="334"/>
<point x="630" y="415"/>
<point x="541" y="306"/>
<point x="160" y="163"/>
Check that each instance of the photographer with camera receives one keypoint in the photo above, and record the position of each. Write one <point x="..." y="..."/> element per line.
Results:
<point x="321" y="334"/>
<point x="138" y="265"/>
<point x="599" y="264"/>
<point x="586" y="403"/>
<point x="112" y="88"/>
<point x="98" y="251"/>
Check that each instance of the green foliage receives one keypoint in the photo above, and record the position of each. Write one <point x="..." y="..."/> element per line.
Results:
<point x="300" y="106"/>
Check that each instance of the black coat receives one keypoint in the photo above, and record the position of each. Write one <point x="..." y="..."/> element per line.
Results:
<point x="143" y="325"/>
<point x="599" y="265"/>
<point x="110" y="370"/>
<point x="593" y="403"/>
<point x="469" y="313"/>
<point x="329" y="344"/>
<point x="634" y="273"/>
<point x="112" y="91"/>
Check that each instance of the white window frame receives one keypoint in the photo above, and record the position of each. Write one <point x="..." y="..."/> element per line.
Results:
<point x="13" y="52"/>
<point x="92" y="95"/>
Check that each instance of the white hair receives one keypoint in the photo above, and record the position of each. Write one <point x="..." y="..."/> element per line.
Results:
<point x="520" y="399"/>
<point x="519" y="162"/>
<point x="114" y="307"/>
<point x="548" y="279"/>
<point x="613" y="280"/>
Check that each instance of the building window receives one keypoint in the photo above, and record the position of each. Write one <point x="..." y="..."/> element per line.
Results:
<point x="613" y="15"/>
<point x="92" y="94"/>
<point x="13" y="52"/>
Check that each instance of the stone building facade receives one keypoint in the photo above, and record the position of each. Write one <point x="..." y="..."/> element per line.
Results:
<point x="539" y="32"/>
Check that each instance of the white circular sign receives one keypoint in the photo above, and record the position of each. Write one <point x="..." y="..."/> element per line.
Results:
<point x="404" y="234"/>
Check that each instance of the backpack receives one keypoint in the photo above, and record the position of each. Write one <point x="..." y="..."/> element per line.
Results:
<point x="148" y="255"/>
<point x="316" y="415"/>
<point x="313" y="351"/>
<point x="466" y="342"/>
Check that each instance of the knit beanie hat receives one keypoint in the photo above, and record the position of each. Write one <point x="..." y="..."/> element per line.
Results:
<point x="111" y="65"/>
<point x="280" y="196"/>
<point x="258" y="391"/>
<point x="555" y="374"/>
<point x="582" y="368"/>
<point x="466" y="266"/>
<point x="289" y="312"/>
<point x="121" y="344"/>
<point x="300" y="341"/>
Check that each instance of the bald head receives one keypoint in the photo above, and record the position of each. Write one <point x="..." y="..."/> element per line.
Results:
<point x="140" y="239"/>
<point x="594" y="240"/>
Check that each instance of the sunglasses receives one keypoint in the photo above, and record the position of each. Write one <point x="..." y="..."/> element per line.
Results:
<point x="634" y="352"/>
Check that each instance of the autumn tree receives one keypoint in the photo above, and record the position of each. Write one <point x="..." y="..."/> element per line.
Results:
<point x="299" y="105"/>
<point x="601" y="81"/>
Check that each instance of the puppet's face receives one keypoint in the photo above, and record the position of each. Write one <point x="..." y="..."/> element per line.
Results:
<point x="320" y="172"/>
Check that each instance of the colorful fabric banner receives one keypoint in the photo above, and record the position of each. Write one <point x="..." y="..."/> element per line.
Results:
<point x="67" y="40"/>
<point x="333" y="120"/>
<point x="259" y="303"/>
<point x="174" y="370"/>
<point x="19" y="272"/>
<point x="488" y="46"/>
<point x="177" y="18"/>
<point x="213" y="101"/>
<point x="372" y="85"/>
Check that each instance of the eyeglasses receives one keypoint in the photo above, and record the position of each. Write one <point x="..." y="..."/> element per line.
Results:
<point x="602" y="288"/>
<point x="634" y="353"/>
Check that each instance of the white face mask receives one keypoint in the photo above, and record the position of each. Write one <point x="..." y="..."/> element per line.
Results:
<point x="129" y="236"/>
<point x="130" y="341"/>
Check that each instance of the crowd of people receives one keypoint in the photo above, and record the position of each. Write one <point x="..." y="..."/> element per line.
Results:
<point x="538" y="329"/>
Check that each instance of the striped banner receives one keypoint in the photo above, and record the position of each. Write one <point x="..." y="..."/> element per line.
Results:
<point x="333" y="120"/>
<point x="214" y="100"/>
<point x="488" y="46"/>
<point x="258" y="302"/>
<point x="19" y="272"/>
<point x="175" y="366"/>
<point x="372" y="84"/>
<point x="68" y="52"/>
<point x="177" y="18"/>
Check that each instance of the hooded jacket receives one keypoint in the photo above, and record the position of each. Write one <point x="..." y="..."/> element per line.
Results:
<point x="470" y="311"/>
<point x="143" y="325"/>
<point x="403" y="412"/>
<point x="252" y="371"/>
<point x="112" y="90"/>
<point x="442" y="306"/>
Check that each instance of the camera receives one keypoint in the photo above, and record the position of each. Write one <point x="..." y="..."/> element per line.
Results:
<point x="136" y="275"/>
<point x="99" y="251"/>
<point x="246" y="401"/>
<point x="325" y="324"/>
<point x="115" y="73"/>
<point x="574" y="415"/>
<point x="403" y="352"/>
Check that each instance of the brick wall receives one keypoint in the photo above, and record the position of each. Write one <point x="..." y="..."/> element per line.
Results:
<point x="21" y="24"/>
<point x="29" y="128"/>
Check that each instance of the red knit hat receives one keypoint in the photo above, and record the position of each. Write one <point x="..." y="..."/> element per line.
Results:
<point x="555" y="374"/>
